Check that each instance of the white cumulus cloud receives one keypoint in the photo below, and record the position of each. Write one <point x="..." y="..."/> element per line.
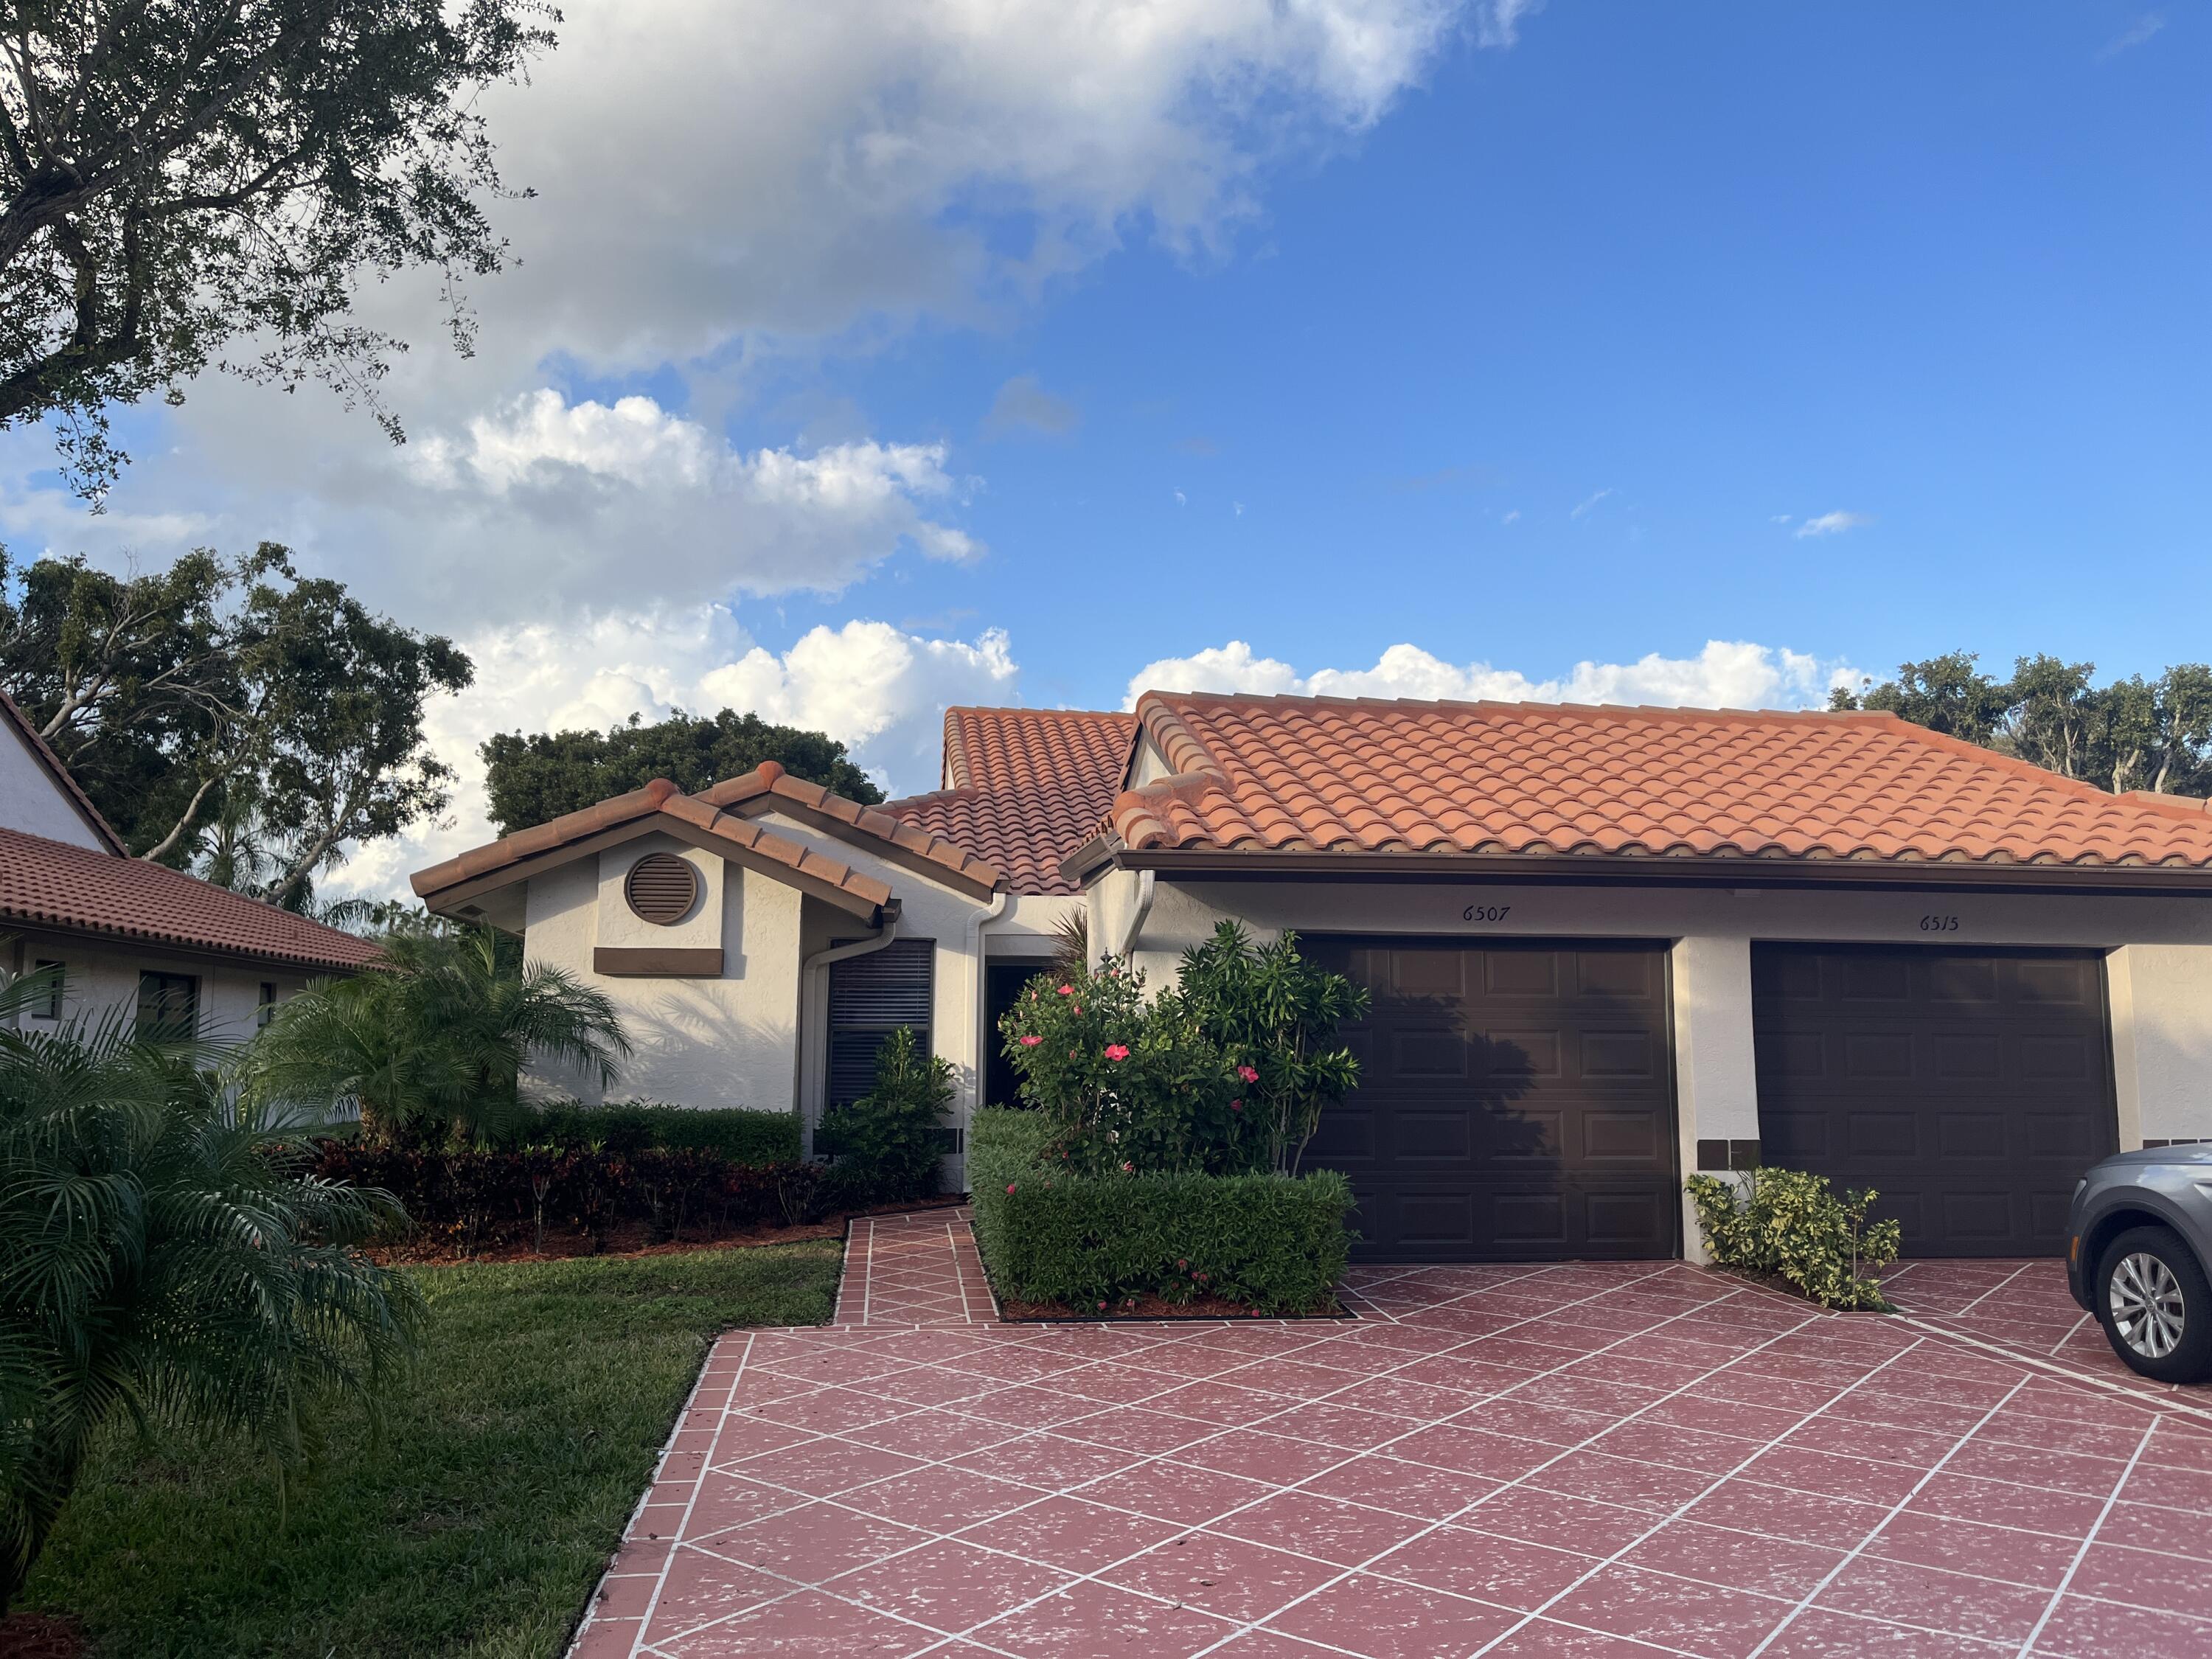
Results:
<point x="1833" y="523"/>
<point x="1726" y="674"/>
<point x="880" y="690"/>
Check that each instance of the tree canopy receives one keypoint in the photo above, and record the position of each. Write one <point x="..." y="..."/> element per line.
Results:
<point x="229" y="712"/>
<point x="175" y="174"/>
<point x="533" y="779"/>
<point x="2133" y="733"/>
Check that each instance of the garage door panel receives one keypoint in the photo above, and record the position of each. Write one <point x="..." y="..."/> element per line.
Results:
<point x="1963" y="979"/>
<point x="1549" y="1131"/>
<point x="1870" y="1056"/>
<point x="1521" y="973"/>
<point x="1871" y="979"/>
<point x="1971" y="1134"/>
<point x="1972" y="1105"/>
<point x="1427" y="1054"/>
<point x="1629" y="975"/>
<point x="1345" y="1136"/>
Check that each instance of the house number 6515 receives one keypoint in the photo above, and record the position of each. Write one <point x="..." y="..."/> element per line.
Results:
<point x="1484" y="913"/>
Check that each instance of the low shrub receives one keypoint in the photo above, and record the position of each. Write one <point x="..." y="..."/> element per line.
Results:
<point x="741" y="1134"/>
<point x="887" y="1146"/>
<point x="468" y="1200"/>
<point x="1272" y="1243"/>
<point x="1795" y="1225"/>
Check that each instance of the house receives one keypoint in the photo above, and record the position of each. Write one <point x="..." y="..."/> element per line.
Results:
<point x="174" y="954"/>
<point x="1606" y="946"/>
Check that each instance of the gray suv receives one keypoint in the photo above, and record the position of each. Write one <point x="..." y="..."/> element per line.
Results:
<point x="2141" y="1232"/>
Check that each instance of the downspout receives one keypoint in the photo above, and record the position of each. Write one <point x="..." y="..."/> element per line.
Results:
<point x="814" y="1040"/>
<point x="1145" y="878"/>
<point x="981" y="1023"/>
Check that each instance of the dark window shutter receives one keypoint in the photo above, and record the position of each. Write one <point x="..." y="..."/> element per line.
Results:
<point x="871" y="996"/>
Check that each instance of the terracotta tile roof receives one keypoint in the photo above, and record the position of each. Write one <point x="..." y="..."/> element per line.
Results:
<point x="1025" y="786"/>
<point x="78" y="889"/>
<point x="768" y="786"/>
<point x="739" y="838"/>
<point x="12" y="712"/>
<point x="1330" y="775"/>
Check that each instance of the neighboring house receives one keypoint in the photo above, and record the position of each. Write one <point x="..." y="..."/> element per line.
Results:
<point x="173" y="954"/>
<point x="1606" y="945"/>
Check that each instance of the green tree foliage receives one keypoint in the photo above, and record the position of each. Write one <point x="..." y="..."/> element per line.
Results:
<point x="1274" y="1016"/>
<point x="887" y="1144"/>
<point x="229" y="711"/>
<point x="432" y="1043"/>
<point x="175" y="174"/>
<point x="535" y="779"/>
<point x="2133" y="733"/>
<point x="164" y="1258"/>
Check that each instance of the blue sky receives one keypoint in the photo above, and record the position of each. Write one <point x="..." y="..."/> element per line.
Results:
<point x="1001" y="356"/>
<point x="1723" y="264"/>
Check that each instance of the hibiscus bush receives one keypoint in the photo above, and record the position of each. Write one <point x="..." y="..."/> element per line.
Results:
<point x="1129" y="1085"/>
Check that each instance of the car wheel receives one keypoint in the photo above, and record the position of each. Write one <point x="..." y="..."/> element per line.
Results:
<point x="2155" y="1305"/>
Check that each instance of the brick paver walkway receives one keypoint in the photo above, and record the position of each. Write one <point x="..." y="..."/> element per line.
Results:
<point x="918" y="1269"/>
<point x="1587" y="1459"/>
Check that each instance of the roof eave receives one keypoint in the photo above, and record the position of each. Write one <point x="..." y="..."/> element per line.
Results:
<point x="167" y="945"/>
<point x="1658" y="870"/>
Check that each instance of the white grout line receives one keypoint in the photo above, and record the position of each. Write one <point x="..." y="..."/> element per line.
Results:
<point x="1684" y="1508"/>
<point x="1895" y="1509"/>
<point x="2070" y="1330"/>
<point x="2082" y="1554"/>
<point x="1248" y="1626"/>
<point x="684" y="1522"/>
<point x="2158" y="1402"/>
<point x="1960" y="1313"/>
<point x="1353" y="1381"/>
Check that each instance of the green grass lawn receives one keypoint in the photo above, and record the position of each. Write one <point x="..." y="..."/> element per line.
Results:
<point x="477" y="1525"/>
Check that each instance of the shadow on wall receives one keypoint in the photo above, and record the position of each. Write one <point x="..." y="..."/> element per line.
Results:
<point x="688" y="1048"/>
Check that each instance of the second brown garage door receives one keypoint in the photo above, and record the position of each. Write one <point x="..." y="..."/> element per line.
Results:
<point x="1515" y="1102"/>
<point x="1971" y="1089"/>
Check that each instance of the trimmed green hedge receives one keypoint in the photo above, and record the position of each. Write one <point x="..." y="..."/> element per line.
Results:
<point x="1270" y="1242"/>
<point x="738" y="1134"/>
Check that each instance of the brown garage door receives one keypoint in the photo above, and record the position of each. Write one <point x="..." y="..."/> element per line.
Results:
<point x="1516" y="1101"/>
<point x="1970" y="1088"/>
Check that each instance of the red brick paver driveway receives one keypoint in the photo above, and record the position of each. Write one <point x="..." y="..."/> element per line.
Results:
<point x="1583" y="1459"/>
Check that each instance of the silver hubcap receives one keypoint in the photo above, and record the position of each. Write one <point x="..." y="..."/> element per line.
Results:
<point x="2147" y="1309"/>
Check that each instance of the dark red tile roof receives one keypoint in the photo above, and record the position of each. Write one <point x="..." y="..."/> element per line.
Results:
<point x="1025" y="787"/>
<point x="1336" y="775"/>
<point x="51" y="883"/>
<point x="660" y="798"/>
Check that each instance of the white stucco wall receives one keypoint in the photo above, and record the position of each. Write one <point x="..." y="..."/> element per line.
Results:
<point x="99" y="981"/>
<point x="705" y="1041"/>
<point x="30" y="799"/>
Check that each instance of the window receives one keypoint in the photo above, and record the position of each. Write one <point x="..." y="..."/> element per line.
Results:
<point x="267" y="1011"/>
<point x="871" y="996"/>
<point x="49" y="1006"/>
<point x="168" y="1007"/>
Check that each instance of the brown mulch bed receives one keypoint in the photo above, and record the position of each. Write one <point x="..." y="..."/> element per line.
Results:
<point x="41" y="1636"/>
<point x="1147" y="1307"/>
<point x="636" y="1239"/>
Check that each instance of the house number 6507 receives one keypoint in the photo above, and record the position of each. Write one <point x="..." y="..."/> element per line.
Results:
<point x="1484" y="913"/>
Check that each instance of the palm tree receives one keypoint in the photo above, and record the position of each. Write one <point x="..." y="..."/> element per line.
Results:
<point x="164" y="1255"/>
<point x="436" y="1037"/>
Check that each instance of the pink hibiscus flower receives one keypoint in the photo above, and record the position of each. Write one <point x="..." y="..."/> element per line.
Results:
<point x="1248" y="1073"/>
<point x="1068" y="990"/>
<point x="1117" y="1051"/>
<point x="1031" y="1041"/>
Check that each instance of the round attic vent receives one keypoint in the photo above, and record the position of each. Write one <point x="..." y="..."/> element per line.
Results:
<point x="660" y="888"/>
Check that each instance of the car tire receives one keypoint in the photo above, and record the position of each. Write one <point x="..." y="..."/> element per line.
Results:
<point x="2152" y="1297"/>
